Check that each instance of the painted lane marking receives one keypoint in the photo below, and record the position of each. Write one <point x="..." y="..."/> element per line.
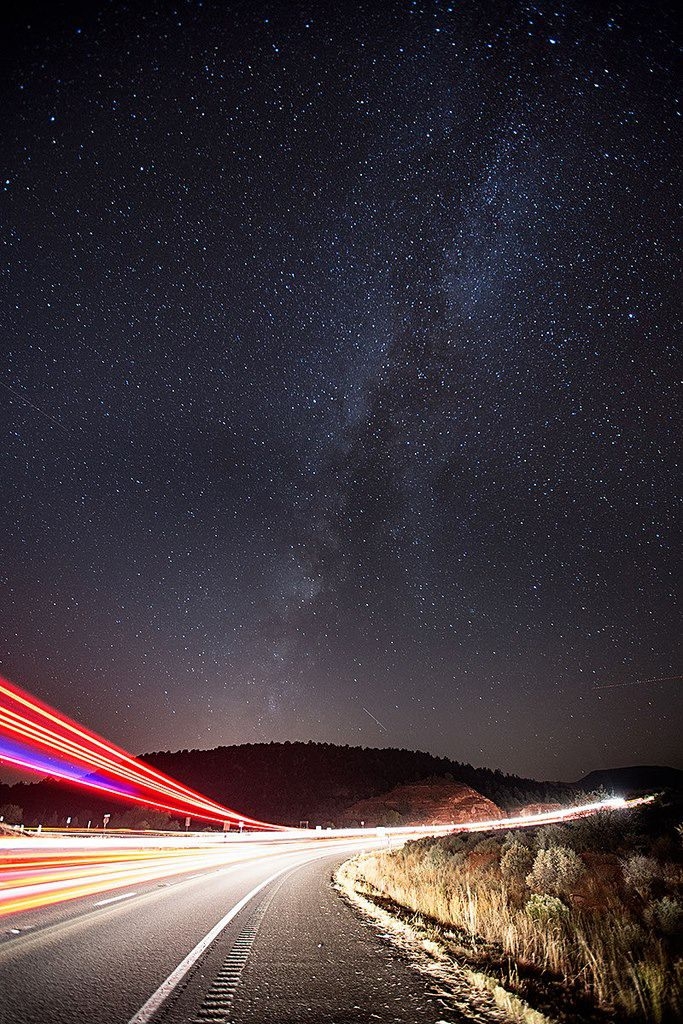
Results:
<point x="146" y="1012"/>
<point x="115" y="899"/>
<point x="83" y="917"/>
<point x="218" y="1000"/>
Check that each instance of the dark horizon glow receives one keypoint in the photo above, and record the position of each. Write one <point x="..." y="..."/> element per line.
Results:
<point x="339" y="375"/>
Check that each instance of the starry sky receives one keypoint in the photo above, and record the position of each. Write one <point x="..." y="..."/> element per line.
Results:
<point x="338" y="375"/>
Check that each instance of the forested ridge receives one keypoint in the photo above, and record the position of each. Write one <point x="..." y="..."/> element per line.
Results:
<point x="283" y="782"/>
<point x="315" y="782"/>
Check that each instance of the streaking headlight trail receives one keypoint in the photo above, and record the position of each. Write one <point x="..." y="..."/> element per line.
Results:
<point x="41" y="870"/>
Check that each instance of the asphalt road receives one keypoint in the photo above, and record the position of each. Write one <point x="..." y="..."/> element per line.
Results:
<point x="294" y="952"/>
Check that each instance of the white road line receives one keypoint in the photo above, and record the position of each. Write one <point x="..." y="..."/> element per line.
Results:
<point x="115" y="899"/>
<point x="146" y="1012"/>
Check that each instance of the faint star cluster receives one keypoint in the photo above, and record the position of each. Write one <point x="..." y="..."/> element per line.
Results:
<point x="339" y="375"/>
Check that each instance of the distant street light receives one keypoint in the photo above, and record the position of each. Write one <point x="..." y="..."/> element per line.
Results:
<point x="105" y="820"/>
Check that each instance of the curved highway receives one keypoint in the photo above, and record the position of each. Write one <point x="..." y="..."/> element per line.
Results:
<point x="202" y="929"/>
<point x="263" y="939"/>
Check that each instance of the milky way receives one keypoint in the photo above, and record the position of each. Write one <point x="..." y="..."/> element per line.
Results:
<point x="338" y="376"/>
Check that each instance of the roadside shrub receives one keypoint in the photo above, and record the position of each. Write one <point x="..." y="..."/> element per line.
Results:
<point x="520" y="837"/>
<point x="12" y="814"/>
<point x="550" y="835"/>
<point x="640" y="873"/>
<point x="516" y="863"/>
<point x="556" y="870"/>
<point x="606" y="832"/>
<point x="544" y="908"/>
<point x="668" y="915"/>
<point x="489" y="845"/>
<point x="454" y="844"/>
<point x="435" y="854"/>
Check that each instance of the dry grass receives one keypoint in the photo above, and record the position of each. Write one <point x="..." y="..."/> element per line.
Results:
<point x="596" y="951"/>
<point x="473" y="994"/>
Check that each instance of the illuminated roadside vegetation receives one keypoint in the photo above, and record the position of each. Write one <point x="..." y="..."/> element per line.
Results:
<point x="584" y="920"/>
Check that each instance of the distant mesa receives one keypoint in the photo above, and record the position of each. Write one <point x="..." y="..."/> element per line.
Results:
<point x="431" y="802"/>
<point x="633" y="780"/>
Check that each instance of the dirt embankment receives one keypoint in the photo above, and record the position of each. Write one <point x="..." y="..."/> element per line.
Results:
<point x="434" y="802"/>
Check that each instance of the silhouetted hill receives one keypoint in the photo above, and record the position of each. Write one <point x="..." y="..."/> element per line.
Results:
<point x="635" y="779"/>
<point x="316" y="782"/>
<point x="287" y="782"/>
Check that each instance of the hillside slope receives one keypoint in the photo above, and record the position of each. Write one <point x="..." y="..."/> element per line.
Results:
<point x="289" y="782"/>
<point x="316" y="782"/>
<point x="432" y="802"/>
<point x="285" y="782"/>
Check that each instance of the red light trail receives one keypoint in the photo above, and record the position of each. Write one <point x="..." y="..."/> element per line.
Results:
<point x="35" y="736"/>
<point x="40" y="870"/>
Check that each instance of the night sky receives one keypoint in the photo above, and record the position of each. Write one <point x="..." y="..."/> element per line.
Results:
<point x="338" y="376"/>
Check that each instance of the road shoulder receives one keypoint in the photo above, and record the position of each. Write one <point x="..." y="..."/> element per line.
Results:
<point x="314" y="960"/>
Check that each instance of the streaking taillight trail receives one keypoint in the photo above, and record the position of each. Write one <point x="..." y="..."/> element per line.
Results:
<point x="42" y="870"/>
<point x="36" y="737"/>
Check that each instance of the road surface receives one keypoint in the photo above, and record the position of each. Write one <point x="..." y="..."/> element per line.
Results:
<point x="176" y="929"/>
<point x="294" y="952"/>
